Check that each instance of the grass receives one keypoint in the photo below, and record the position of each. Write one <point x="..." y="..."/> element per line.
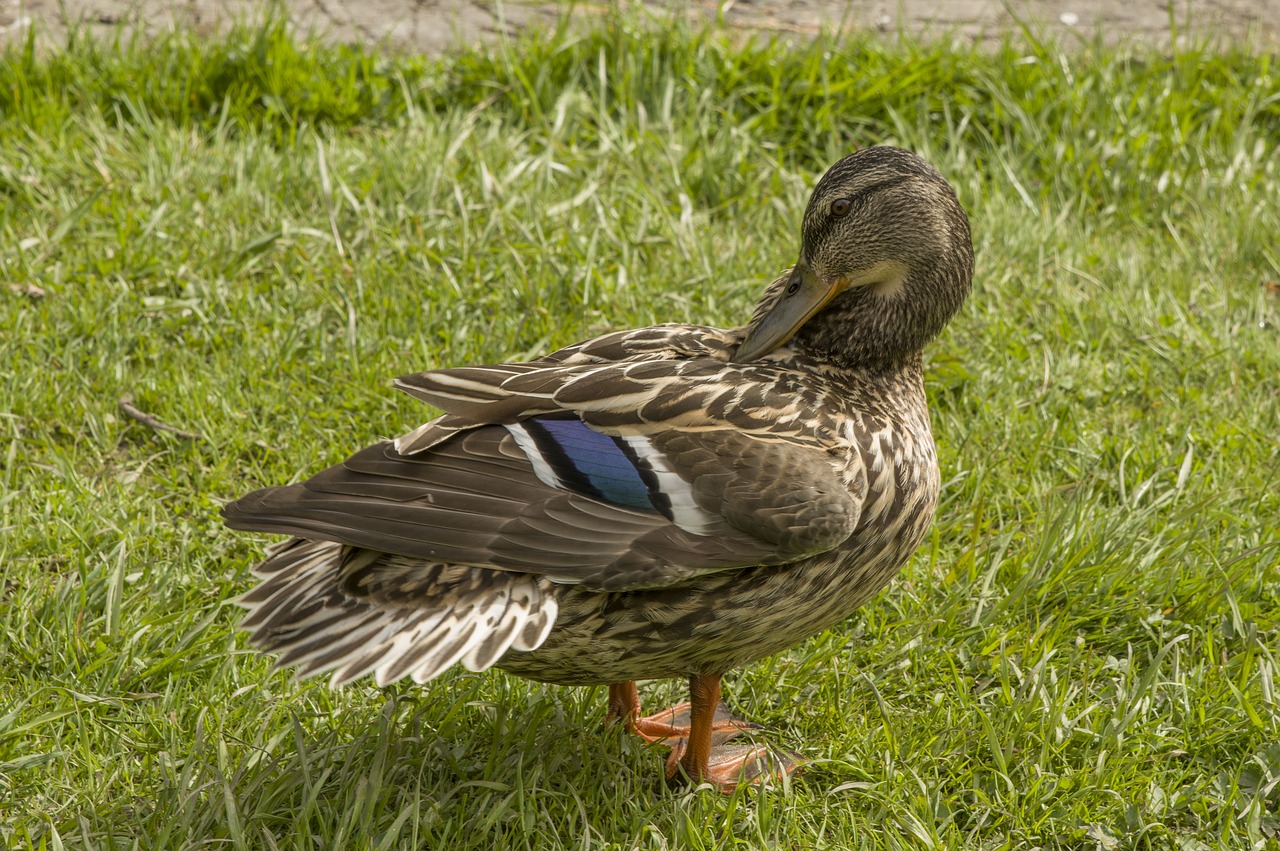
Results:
<point x="250" y="236"/>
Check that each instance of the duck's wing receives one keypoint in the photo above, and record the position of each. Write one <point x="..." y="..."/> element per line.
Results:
<point x="617" y="476"/>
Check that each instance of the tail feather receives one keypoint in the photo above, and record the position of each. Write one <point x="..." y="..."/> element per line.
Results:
<point x="425" y="661"/>
<point x="503" y="622"/>
<point x="507" y="625"/>
<point x="325" y="608"/>
<point x="538" y="626"/>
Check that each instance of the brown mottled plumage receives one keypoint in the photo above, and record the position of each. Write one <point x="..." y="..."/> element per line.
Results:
<point x="675" y="501"/>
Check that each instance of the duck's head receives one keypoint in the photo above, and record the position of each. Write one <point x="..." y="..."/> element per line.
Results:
<point x="885" y="261"/>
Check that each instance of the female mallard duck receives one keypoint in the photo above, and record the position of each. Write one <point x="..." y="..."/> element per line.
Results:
<point x="673" y="501"/>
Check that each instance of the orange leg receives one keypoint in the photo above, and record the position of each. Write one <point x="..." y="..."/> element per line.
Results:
<point x="704" y="697"/>
<point x="624" y="704"/>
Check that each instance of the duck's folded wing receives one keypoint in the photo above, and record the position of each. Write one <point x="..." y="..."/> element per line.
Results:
<point x="551" y="496"/>
<point x="642" y="396"/>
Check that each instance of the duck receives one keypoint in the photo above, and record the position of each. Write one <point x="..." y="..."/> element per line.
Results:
<point x="675" y="501"/>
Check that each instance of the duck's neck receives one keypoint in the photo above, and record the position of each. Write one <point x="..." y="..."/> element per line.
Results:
<point x="863" y="331"/>
<point x="884" y="331"/>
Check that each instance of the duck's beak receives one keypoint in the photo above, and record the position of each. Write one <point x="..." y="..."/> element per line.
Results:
<point x="804" y="295"/>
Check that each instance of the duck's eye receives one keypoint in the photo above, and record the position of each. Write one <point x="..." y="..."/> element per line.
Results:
<point x="841" y="207"/>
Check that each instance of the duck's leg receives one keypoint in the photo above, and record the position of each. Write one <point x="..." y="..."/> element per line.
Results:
<point x="693" y="754"/>
<point x="624" y="704"/>
<point x="702" y="757"/>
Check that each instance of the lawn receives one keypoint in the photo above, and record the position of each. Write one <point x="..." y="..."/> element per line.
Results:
<point x="248" y="238"/>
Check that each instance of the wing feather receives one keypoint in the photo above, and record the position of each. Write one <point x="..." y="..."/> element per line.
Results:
<point x="510" y="522"/>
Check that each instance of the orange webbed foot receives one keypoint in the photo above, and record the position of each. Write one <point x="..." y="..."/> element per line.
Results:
<point x="731" y="766"/>
<point x="672" y="724"/>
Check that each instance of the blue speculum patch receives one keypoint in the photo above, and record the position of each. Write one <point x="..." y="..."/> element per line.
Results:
<point x="590" y="462"/>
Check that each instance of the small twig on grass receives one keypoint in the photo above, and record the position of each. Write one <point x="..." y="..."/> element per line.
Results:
<point x="151" y="421"/>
